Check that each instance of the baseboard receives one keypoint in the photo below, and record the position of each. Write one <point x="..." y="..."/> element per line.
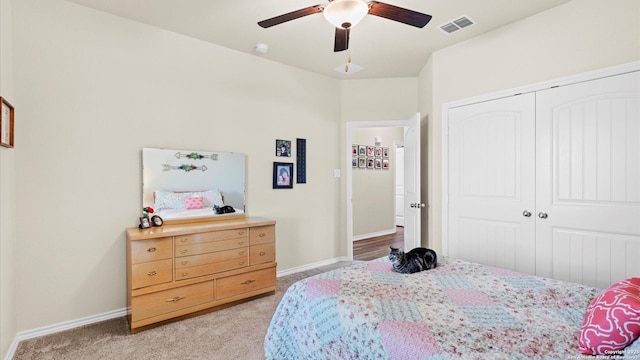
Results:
<point x="67" y="325"/>
<point x="374" y="234"/>
<point x="311" y="266"/>
<point x="72" y="324"/>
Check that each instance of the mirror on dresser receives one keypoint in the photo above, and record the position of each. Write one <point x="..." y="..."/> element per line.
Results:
<point x="185" y="185"/>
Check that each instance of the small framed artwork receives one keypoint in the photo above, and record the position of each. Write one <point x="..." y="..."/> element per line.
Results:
<point x="369" y="163"/>
<point x="378" y="163"/>
<point x="362" y="150"/>
<point x="282" y="174"/>
<point x="378" y="151"/>
<point x="370" y="151"/>
<point x="144" y="223"/>
<point x="385" y="152"/>
<point x="362" y="162"/>
<point x="385" y="164"/>
<point x="6" y="123"/>
<point x="283" y="148"/>
<point x="354" y="162"/>
<point x="354" y="150"/>
<point x="156" y="220"/>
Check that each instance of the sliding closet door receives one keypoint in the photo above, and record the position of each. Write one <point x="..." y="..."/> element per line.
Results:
<point x="491" y="183"/>
<point x="588" y="181"/>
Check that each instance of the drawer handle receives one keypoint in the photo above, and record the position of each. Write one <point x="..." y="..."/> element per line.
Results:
<point x="175" y="299"/>
<point x="185" y="262"/>
<point x="184" y="274"/>
<point x="240" y="232"/>
<point x="240" y="253"/>
<point x="262" y="253"/>
<point x="262" y="235"/>
<point x="247" y="282"/>
<point x="183" y="239"/>
<point x="151" y="249"/>
<point x="183" y="251"/>
<point x="241" y="243"/>
<point x="152" y="273"/>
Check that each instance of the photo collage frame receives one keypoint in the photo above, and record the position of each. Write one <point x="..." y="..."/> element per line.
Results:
<point x="370" y="157"/>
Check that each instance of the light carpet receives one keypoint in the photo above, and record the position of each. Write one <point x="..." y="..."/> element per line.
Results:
<point x="236" y="332"/>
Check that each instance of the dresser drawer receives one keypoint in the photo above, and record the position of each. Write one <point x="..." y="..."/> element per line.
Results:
<point x="210" y="258"/>
<point x="210" y="236"/>
<point x="151" y="249"/>
<point x="162" y="302"/>
<point x="238" y="284"/>
<point x="262" y="253"/>
<point x="208" y="247"/>
<point x="202" y="270"/>
<point x="151" y="273"/>
<point x="262" y="235"/>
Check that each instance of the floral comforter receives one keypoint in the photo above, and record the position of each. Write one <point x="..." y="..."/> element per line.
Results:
<point x="458" y="310"/>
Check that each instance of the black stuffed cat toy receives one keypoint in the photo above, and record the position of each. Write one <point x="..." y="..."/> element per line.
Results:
<point x="416" y="260"/>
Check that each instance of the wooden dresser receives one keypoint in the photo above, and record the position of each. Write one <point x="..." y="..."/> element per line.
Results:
<point x="177" y="270"/>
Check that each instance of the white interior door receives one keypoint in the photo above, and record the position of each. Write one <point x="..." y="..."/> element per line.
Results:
<point x="588" y="180"/>
<point x="412" y="200"/>
<point x="491" y="183"/>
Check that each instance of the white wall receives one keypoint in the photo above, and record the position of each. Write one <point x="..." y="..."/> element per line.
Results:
<point x="91" y="91"/>
<point x="576" y="37"/>
<point x="8" y="322"/>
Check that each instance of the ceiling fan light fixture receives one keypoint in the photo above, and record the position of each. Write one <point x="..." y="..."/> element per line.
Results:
<point x="345" y="13"/>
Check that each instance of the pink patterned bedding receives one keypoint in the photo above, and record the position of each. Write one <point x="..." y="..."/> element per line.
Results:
<point x="458" y="310"/>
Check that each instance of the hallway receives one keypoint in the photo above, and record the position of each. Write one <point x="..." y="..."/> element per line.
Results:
<point x="377" y="247"/>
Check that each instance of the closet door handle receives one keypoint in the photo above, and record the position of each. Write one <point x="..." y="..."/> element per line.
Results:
<point x="542" y="215"/>
<point x="526" y="213"/>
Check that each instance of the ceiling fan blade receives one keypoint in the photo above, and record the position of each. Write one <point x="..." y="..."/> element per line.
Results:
<point x="290" y="16"/>
<point x="399" y="14"/>
<point x="342" y="40"/>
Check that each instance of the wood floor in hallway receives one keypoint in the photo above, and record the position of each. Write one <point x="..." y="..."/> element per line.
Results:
<point x="377" y="247"/>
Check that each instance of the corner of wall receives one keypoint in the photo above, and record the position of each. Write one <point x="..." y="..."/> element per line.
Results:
<point x="8" y="322"/>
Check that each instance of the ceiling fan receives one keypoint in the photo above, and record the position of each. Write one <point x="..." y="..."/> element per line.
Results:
<point x="345" y="14"/>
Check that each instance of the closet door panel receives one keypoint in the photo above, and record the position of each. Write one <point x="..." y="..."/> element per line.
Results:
<point x="588" y="180"/>
<point x="491" y="182"/>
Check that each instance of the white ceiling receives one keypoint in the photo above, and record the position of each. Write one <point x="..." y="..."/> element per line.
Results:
<point x="382" y="47"/>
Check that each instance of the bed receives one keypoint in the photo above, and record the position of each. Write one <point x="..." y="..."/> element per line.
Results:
<point x="458" y="310"/>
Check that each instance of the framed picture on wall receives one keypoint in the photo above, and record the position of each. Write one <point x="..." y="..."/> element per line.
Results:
<point x="362" y="162"/>
<point x="378" y="163"/>
<point x="370" y="163"/>
<point x="385" y="164"/>
<point x="378" y="151"/>
<point x="6" y="123"/>
<point x="283" y="148"/>
<point x="354" y="150"/>
<point x="385" y="152"/>
<point x="362" y="150"/>
<point x="354" y="162"/>
<point x="370" y="151"/>
<point x="282" y="175"/>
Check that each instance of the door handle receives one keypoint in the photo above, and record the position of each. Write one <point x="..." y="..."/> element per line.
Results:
<point x="526" y="213"/>
<point x="417" y="205"/>
<point x="542" y="215"/>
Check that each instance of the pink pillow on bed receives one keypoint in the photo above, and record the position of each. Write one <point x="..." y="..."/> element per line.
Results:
<point x="612" y="320"/>
<point x="192" y="203"/>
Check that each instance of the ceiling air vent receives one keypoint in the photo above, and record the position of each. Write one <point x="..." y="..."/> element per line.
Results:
<point x="457" y="24"/>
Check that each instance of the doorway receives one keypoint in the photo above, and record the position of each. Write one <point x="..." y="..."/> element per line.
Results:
<point x="361" y="206"/>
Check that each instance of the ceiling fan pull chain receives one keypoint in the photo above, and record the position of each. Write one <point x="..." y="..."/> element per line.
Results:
<point x="346" y="65"/>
